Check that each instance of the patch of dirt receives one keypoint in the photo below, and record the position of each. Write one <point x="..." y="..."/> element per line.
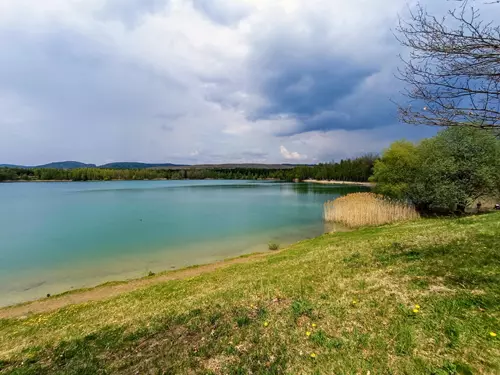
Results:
<point x="100" y="293"/>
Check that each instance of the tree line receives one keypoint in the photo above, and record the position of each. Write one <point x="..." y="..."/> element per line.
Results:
<point x="358" y="169"/>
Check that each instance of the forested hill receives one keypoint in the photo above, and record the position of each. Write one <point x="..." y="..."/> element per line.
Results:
<point x="55" y="165"/>
<point x="358" y="169"/>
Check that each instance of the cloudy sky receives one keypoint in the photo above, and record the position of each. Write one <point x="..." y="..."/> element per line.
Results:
<point x="197" y="81"/>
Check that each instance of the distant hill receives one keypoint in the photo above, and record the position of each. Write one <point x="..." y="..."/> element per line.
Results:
<point x="66" y="165"/>
<point x="136" y="165"/>
<point x="12" y="166"/>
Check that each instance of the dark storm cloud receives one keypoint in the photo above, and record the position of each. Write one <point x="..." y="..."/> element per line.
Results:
<point x="311" y="87"/>
<point x="307" y="87"/>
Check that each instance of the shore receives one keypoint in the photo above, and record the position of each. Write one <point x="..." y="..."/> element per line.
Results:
<point x="115" y="288"/>
<point x="335" y="182"/>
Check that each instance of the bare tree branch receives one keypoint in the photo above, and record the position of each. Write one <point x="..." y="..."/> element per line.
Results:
<point x="452" y="71"/>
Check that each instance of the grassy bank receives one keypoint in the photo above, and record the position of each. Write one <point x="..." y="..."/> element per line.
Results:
<point x="343" y="303"/>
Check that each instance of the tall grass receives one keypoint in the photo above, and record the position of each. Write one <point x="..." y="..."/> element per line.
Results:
<point x="361" y="209"/>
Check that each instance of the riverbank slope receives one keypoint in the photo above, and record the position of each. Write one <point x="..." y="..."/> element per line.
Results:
<point x="420" y="297"/>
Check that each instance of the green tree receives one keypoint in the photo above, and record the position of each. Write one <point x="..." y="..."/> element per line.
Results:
<point x="395" y="170"/>
<point x="457" y="167"/>
<point x="449" y="171"/>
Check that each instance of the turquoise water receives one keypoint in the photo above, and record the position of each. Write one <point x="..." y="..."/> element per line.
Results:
<point x="58" y="236"/>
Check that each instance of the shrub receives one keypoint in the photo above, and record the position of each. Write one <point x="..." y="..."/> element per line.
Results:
<point x="273" y="246"/>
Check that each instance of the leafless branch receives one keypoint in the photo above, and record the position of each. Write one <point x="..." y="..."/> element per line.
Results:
<point x="452" y="71"/>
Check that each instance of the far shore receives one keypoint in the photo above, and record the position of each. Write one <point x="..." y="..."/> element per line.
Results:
<point x="335" y="182"/>
<point x="117" y="179"/>
<point x="326" y="182"/>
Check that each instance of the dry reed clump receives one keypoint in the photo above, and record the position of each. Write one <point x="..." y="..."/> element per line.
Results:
<point x="361" y="209"/>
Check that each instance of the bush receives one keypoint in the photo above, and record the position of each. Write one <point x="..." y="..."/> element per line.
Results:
<point x="273" y="246"/>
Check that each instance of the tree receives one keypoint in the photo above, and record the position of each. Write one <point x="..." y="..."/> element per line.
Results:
<point x="453" y="69"/>
<point x="449" y="171"/>
<point x="456" y="168"/>
<point x="394" y="171"/>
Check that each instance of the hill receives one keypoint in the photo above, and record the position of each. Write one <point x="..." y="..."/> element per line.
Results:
<point x="12" y="166"/>
<point x="66" y="165"/>
<point x="138" y="165"/>
<point x="414" y="298"/>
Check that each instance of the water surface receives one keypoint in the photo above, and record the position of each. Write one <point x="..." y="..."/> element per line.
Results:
<point x="58" y="236"/>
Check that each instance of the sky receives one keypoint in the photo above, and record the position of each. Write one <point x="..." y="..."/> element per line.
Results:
<point x="199" y="81"/>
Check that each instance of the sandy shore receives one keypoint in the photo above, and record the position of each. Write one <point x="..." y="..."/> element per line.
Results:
<point x="335" y="182"/>
<point x="113" y="289"/>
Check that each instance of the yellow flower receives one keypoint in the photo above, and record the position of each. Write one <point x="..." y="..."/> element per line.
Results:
<point x="415" y="311"/>
<point x="314" y="325"/>
<point x="417" y="306"/>
<point x="313" y="355"/>
<point x="308" y="333"/>
<point x="266" y="324"/>
<point x="493" y="334"/>
<point x="354" y="302"/>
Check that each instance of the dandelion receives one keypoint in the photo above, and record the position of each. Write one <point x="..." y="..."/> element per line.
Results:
<point x="314" y="325"/>
<point x="266" y="324"/>
<point x="308" y="333"/>
<point x="416" y="311"/>
<point x="354" y="302"/>
<point x="493" y="334"/>
<point x="417" y="306"/>
<point x="313" y="355"/>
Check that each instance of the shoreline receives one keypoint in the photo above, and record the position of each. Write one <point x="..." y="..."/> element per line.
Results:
<point x="115" y="288"/>
<point x="336" y="182"/>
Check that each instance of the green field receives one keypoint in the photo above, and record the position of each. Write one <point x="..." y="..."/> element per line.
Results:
<point x="339" y="304"/>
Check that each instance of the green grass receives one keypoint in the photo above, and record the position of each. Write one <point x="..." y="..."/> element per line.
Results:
<point x="354" y="292"/>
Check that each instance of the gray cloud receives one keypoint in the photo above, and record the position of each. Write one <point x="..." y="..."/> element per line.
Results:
<point x="195" y="80"/>
<point x="129" y="12"/>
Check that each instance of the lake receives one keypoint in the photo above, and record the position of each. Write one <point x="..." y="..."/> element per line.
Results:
<point x="57" y="236"/>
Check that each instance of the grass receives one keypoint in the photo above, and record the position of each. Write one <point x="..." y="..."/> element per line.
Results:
<point x="342" y="303"/>
<point x="362" y="209"/>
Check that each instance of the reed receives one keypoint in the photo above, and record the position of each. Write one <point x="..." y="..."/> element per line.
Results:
<point x="362" y="209"/>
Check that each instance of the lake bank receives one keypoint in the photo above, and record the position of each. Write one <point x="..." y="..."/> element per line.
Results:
<point x="115" y="288"/>
<point x="405" y="298"/>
